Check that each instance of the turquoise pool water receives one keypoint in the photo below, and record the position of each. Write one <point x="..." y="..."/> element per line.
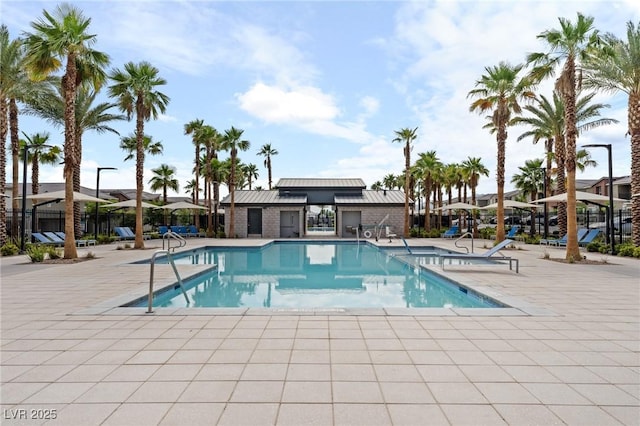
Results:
<point x="314" y="275"/>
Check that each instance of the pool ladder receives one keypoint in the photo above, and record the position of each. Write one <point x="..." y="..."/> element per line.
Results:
<point x="168" y="236"/>
<point x="466" y="234"/>
<point x="175" y="270"/>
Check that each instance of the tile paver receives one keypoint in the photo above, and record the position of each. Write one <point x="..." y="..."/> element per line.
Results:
<point x="574" y="360"/>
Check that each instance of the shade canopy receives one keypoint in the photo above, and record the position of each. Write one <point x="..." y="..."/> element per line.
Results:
<point x="458" y="206"/>
<point x="130" y="203"/>
<point x="580" y="196"/>
<point x="511" y="204"/>
<point x="181" y="205"/>
<point x="60" y="195"/>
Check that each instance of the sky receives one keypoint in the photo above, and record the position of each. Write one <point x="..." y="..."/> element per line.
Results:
<point x="326" y="83"/>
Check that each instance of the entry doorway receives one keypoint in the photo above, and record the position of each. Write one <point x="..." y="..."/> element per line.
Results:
<point x="321" y="220"/>
<point x="254" y="222"/>
<point x="289" y="224"/>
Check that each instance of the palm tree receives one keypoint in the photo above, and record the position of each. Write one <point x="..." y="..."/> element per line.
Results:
<point x="530" y="181"/>
<point x="267" y="152"/>
<point x="135" y="89"/>
<point x="389" y="181"/>
<point x="406" y="136"/>
<point x="547" y="122"/>
<point x="12" y="79"/>
<point x="618" y="72"/>
<point x="190" y="188"/>
<point x="149" y="146"/>
<point x="232" y="141"/>
<point x="39" y="153"/>
<point x="474" y="169"/>
<point x="501" y="90"/>
<point x="61" y="40"/>
<point x="164" y="178"/>
<point x="376" y="186"/>
<point x="50" y="106"/>
<point x="566" y="48"/>
<point x="192" y="128"/>
<point x="219" y="171"/>
<point x="424" y="167"/>
<point x="250" y="171"/>
<point x="209" y="138"/>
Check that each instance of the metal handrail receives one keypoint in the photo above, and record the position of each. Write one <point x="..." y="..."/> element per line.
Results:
<point x="469" y="234"/>
<point x="170" y="234"/>
<point x="175" y="271"/>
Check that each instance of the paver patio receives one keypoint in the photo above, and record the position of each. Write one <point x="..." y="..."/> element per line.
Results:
<point x="571" y="355"/>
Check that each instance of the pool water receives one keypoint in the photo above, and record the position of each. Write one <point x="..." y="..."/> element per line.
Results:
<point x="313" y="275"/>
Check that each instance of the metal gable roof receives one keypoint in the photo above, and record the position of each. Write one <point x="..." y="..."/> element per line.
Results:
<point x="299" y="183"/>
<point x="372" y="197"/>
<point x="263" y="197"/>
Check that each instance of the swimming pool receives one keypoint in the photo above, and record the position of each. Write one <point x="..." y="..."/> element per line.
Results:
<point x="313" y="275"/>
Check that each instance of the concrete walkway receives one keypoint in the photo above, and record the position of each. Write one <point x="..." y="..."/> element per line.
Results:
<point x="570" y="356"/>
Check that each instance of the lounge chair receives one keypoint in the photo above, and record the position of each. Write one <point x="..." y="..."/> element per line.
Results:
<point x="53" y="237"/>
<point x="162" y="229"/>
<point x="42" y="239"/>
<point x="122" y="234"/>
<point x="591" y="235"/>
<point x="193" y="231"/>
<point x="582" y="232"/>
<point x="417" y="252"/>
<point x="79" y="242"/>
<point x="513" y="231"/>
<point x="451" y="232"/>
<point x="132" y="235"/>
<point x="389" y="234"/>
<point x="488" y="255"/>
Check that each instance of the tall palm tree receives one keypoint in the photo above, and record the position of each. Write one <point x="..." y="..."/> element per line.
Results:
<point x="501" y="90"/>
<point x="50" y="105"/>
<point x="38" y="154"/>
<point x="376" y="186"/>
<point x="424" y="168"/>
<point x="566" y="48"/>
<point x="232" y="141"/>
<point x="547" y="123"/>
<point x="135" y="89"/>
<point x="267" y="152"/>
<point x="209" y="138"/>
<point x="12" y="84"/>
<point x="219" y="171"/>
<point x="61" y="40"/>
<point x="530" y="181"/>
<point x="192" y="128"/>
<point x="475" y="169"/>
<point x="618" y="72"/>
<point x="406" y="136"/>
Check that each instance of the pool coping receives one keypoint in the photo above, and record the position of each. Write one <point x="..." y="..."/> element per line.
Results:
<point x="513" y="305"/>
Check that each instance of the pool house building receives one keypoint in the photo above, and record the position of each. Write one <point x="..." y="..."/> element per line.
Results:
<point x="307" y="207"/>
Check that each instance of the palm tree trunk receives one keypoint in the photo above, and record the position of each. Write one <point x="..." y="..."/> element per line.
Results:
<point x="69" y="85"/>
<point x="3" y="169"/>
<point x="427" y="207"/>
<point x="407" y="166"/>
<point x="269" y="170"/>
<point x="561" y="180"/>
<point x="35" y="173"/>
<point x="573" y="250"/>
<point x="196" y="190"/>
<point x="502" y="138"/>
<point x="76" y="186"/>
<point x="15" y="157"/>
<point x="232" y="190"/>
<point x="139" y="242"/>
<point x="634" y="130"/>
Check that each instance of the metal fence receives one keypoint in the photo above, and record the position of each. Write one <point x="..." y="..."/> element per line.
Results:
<point x="43" y="221"/>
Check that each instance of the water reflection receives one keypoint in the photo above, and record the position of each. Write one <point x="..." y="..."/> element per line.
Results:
<point x="337" y="275"/>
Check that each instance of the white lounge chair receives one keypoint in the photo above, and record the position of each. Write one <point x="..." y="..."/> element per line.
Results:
<point x="488" y="255"/>
<point x="387" y="230"/>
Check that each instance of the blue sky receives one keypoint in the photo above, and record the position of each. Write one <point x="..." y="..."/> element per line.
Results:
<point x="325" y="83"/>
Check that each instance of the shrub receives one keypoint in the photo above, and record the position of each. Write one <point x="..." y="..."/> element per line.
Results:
<point x="53" y="252"/>
<point x="105" y="239"/>
<point x="626" y="249"/>
<point x="36" y="252"/>
<point x="9" y="249"/>
<point x="636" y="252"/>
<point x="594" y="247"/>
<point x="486" y="233"/>
<point x="414" y="232"/>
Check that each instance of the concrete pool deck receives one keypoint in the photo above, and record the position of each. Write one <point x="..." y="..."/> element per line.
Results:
<point x="573" y="358"/>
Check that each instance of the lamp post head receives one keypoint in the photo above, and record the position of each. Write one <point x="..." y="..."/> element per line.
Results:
<point x="107" y="168"/>
<point x="597" y="145"/>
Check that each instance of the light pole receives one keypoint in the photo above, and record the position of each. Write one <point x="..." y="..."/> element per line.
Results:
<point x="612" y="232"/>
<point x="23" y="223"/>
<point x="98" y="193"/>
